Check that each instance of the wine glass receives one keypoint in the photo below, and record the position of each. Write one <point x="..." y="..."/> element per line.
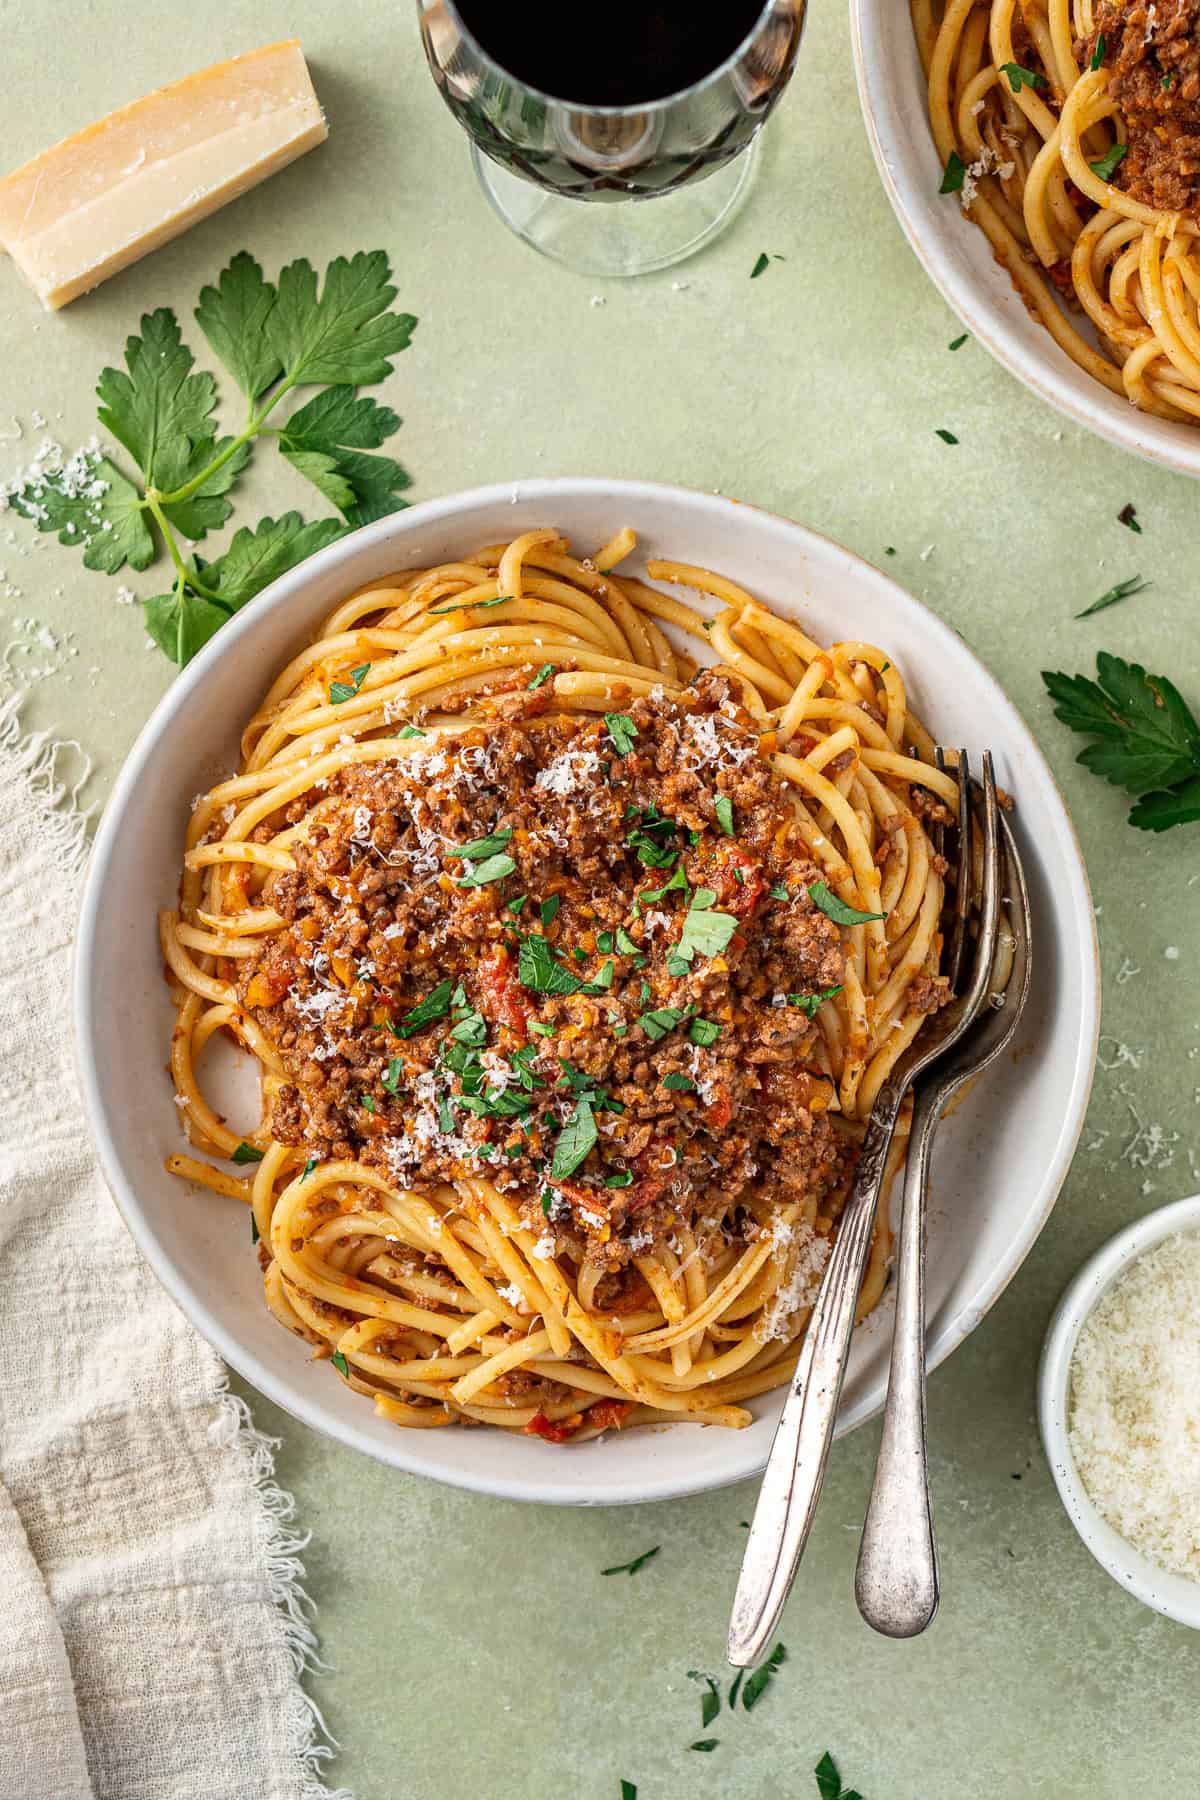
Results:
<point x="673" y="169"/>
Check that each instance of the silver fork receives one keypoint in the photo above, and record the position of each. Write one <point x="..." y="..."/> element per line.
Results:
<point x="791" y="1484"/>
<point x="896" y="1583"/>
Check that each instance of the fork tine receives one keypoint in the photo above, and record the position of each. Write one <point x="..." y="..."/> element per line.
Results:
<point x="965" y="878"/>
<point x="989" y="893"/>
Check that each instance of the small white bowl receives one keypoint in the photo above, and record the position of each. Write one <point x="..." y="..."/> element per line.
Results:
<point x="1176" y="1596"/>
<point x="958" y="257"/>
<point x="999" y="1162"/>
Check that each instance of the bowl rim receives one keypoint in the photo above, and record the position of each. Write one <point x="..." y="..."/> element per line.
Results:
<point x="87" y="1031"/>
<point x="1107" y="415"/>
<point x="1175" y="1596"/>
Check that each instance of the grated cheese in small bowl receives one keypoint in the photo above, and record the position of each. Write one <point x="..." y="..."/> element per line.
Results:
<point x="1119" y="1407"/>
<point x="1135" y="1404"/>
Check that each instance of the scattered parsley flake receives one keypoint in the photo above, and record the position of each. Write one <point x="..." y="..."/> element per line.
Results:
<point x="308" y="1168"/>
<point x="704" y="1032"/>
<point x="1128" y="517"/>
<point x="679" y="1084"/>
<point x="622" y="1179"/>
<point x="622" y="731"/>
<point x="955" y="344"/>
<point x="391" y="1081"/>
<point x="834" y="908"/>
<point x="757" y="1683"/>
<point x="761" y="262"/>
<point x="1098" y="54"/>
<point x="575" y="1140"/>
<point x="548" y="910"/>
<point x="724" y="811"/>
<point x="434" y="1006"/>
<point x="478" y="848"/>
<point x="410" y="731"/>
<point x="346" y="690"/>
<point x="1122" y="591"/>
<point x="631" y="1568"/>
<point x="947" y="437"/>
<point x="1107" y="165"/>
<point x="339" y="1362"/>
<point x="543" y="674"/>
<point x="810" y="1003"/>
<point x="1019" y="77"/>
<point x="953" y="174"/>
<point x="246" y="1153"/>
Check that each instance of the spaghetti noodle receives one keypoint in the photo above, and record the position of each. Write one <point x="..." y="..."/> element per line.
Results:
<point x="1070" y="126"/>
<point x="571" y="970"/>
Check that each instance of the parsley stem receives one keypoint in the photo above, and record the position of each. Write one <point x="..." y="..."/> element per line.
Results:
<point x="188" y="577"/>
<point x="250" y="430"/>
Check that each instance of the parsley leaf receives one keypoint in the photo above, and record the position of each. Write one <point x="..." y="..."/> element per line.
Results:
<point x="89" y="503"/>
<point x="836" y="909"/>
<point x="705" y="933"/>
<point x="704" y="1032"/>
<point x="660" y="1021"/>
<point x="622" y="731"/>
<point x="757" y="1683"/>
<point x="829" y="1782"/>
<point x="548" y="910"/>
<point x="1147" y="738"/>
<point x="1108" y="164"/>
<point x="953" y="174"/>
<point x="710" y="1699"/>
<point x="233" y="315"/>
<point x="347" y="334"/>
<point x="543" y="674"/>
<point x="340" y="691"/>
<point x="339" y="1362"/>
<point x="574" y="1140"/>
<point x="478" y="848"/>
<point x="256" y="557"/>
<point x="679" y="1084"/>
<point x="492" y="868"/>
<point x="246" y="1153"/>
<point x="631" y="1568"/>
<point x="434" y="1006"/>
<point x="161" y="406"/>
<point x="622" y="1179"/>
<point x="625" y="943"/>
<point x="810" y="1003"/>
<point x="1122" y="591"/>
<point x="1019" y="77"/>
<point x="391" y="1081"/>
<point x="538" y="969"/>
<point x="724" y="812"/>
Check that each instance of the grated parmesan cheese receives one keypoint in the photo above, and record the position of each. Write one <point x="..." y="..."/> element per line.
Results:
<point x="1135" y="1404"/>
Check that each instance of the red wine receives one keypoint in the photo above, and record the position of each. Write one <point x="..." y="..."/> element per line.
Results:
<point x="629" y="52"/>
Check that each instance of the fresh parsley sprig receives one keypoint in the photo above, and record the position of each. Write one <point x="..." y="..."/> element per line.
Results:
<point x="273" y="338"/>
<point x="1146" y="738"/>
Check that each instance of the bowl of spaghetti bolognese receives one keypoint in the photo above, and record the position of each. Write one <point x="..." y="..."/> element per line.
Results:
<point x="526" y="898"/>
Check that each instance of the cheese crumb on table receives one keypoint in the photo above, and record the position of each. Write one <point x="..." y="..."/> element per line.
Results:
<point x="101" y="199"/>
<point x="1135" y="1404"/>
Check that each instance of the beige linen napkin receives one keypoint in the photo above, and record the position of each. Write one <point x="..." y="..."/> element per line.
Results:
<point x="152" y="1625"/>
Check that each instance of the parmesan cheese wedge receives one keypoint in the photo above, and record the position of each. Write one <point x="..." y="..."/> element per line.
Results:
<point x="101" y="199"/>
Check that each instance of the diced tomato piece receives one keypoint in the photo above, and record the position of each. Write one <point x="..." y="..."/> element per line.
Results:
<point x="502" y="991"/>
<point x="609" y="1412"/>
<point x="718" y="1112"/>
<point x="552" y="1432"/>
<point x="740" y="896"/>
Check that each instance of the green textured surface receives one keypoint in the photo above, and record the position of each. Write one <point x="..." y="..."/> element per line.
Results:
<point x="474" y="1646"/>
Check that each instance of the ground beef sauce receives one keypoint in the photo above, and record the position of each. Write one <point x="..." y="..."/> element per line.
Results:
<point x="1152" y="51"/>
<point x="617" y="1030"/>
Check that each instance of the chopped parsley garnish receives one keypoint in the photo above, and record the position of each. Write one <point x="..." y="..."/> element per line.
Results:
<point x="339" y="1362"/>
<point x="1168" y="81"/>
<point x="829" y="1782"/>
<point x="704" y="1744"/>
<point x="434" y="1006"/>
<point x="761" y="262"/>
<point x="492" y="868"/>
<point x="604" y="942"/>
<point x="705" y="933"/>
<point x="308" y="1168"/>
<point x="1098" y="54"/>
<point x="367" y="1104"/>
<point x="540" y="1030"/>
<point x="953" y="174"/>
<point x="651" y="896"/>
<point x="724" y="811"/>
<point x="246" y="1153"/>
<point x="1122" y="591"/>
<point x="575" y="1139"/>
<point x="1147" y="738"/>
<point x="710" y="1699"/>
<point x="1019" y="77"/>
<point x="631" y="1568"/>
<point x="346" y="690"/>
<point x="549" y="909"/>
<point x="410" y="731"/>
<point x="1128" y="517"/>
<point x="543" y="674"/>
<point x="704" y="1032"/>
<point x="622" y="1179"/>
<point x="625" y="943"/>
<point x="778" y="892"/>
<point x="629" y="1790"/>
<point x="472" y="1029"/>
<point x="470" y="606"/>
<point x="622" y="731"/>
<point x="809" y="1003"/>
<point x="1107" y="166"/>
<point x="514" y="906"/>
<point x="660" y="1021"/>
<point x="446" y="1114"/>
<point x="538" y="969"/>
<point x="836" y="909"/>
<point x="757" y="1683"/>
<point x="601" y="983"/>
<point x="955" y="344"/>
<point x="391" y="1081"/>
<point x="947" y="437"/>
<point x="679" y="1084"/>
<point x="478" y="848"/>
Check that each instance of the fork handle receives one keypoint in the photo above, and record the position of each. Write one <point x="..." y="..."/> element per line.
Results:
<point x="795" y="1469"/>
<point x="896" y="1583"/>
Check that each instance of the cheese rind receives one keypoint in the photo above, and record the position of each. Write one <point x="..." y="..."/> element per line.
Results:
<point x="101" y="199"/>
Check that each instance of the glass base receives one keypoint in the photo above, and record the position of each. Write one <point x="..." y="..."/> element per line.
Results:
<point x="627" y="237"/>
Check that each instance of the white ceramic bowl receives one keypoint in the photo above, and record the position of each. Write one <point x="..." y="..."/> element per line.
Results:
<point x="1175" y="1595"/>
<point x="958" y="257"/>
<point x="1000" y="1160"/>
